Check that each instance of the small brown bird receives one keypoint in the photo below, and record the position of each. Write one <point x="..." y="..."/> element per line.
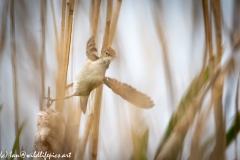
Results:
<point x="92" y="75"/>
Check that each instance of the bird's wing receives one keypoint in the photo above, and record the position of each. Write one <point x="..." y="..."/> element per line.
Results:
<point x="129" y="93"/>
<point x="91" y="49"/>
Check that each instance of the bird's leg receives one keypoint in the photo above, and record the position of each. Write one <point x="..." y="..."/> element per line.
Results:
<point x="50" y="100"/>
<point x="69" y="85"/>
<point x="69" y="96"/>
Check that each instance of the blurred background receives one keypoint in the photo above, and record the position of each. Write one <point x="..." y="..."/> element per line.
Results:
<point x="167" y="49"/>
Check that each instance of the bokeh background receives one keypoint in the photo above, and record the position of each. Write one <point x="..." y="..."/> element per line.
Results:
<point x="160" y="48"/>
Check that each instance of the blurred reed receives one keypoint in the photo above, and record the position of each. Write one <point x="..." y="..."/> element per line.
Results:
<point x="15" y="73"/>
<point x="3" y="27"/>
<point x="98" y="94"/>
<point x="191" y="108"/>
<point x="172" y="151"/>
<point x="158" y="19"/>
<point x="236" y="118"/>
<point x="218" y="151"/>
<point x="94" y="18"/>
<point x="43" y="56"/>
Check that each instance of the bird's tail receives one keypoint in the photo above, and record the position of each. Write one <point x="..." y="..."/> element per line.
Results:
<point x="83" y="103"/>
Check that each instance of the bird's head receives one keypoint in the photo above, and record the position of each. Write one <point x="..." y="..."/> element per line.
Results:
<point x="108" y="53"/>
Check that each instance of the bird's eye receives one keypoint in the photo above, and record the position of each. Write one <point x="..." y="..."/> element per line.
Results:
<point x="107" y="54"/>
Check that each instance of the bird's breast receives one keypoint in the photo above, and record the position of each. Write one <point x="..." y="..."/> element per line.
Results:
<point x="90" y="76"/>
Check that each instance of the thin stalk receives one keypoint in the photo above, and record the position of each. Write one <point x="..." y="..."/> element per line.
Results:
<point x="83" y="141"/>
<point x="107" y="25"/>
<point x="98" y="96"/>
<point x="92" y="11"/>
<point x="69" y="31"/>
<point x="95" y="17"/>
<point x="48" y="100"/>
<point x="114" y="22"/>
<point x="54" y="22"/>
<point x="63" y="23"/>
<point x="236" y="119"/>
<point x="196" y="139"/>
<point x="0" y="126"/>
<point x="95" y="9"/>
<point x="219" y="149"/>
<point x="74" y="113"/>
<point x="166" y="60"/>
<point x="60" y="56"/>
<point x="96" y="122"/>
<point x="42" y="58"/>
<point x="217" y="14"/>
<point x="207" y="27"/>
<point x="236" y="20"/>
<point x="63" y="65"/>
<point x="3" y="27"/>
<point x="72" y="130"/>
<point x="190" y="94"/>
<point x="15" y="77"/>
<point x="235" y="32"/>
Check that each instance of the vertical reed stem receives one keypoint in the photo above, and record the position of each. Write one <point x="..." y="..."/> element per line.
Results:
<point x="60" y="56"/>
<point x="43" y="20"/>
<point x="14" y="68"/>
<point x="98" y="96"/>
<point x="95" y="17"/>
